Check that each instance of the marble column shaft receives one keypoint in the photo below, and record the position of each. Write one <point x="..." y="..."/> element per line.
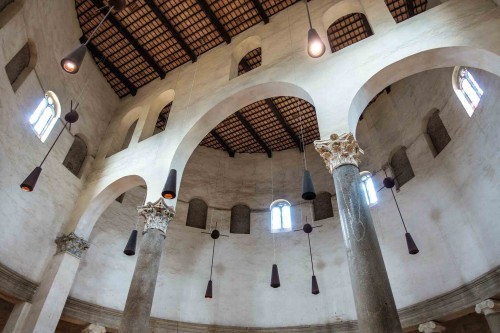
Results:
<point x="491" y="309"/>
<point x="140" y="296"/>
<point x="375" y="307"/>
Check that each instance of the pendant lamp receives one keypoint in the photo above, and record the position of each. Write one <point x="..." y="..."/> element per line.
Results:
<point x="214" y="234"/>
<point x="315" y="46"/>
<point x="275" y="277"/>
<point x="28" y="185"/>
<point x="307" y="228"/>
<point x="73" y="61"/>
<point x="410" y="243"/>
<point x="169" y="190"/>
<point x="131" y="244"/>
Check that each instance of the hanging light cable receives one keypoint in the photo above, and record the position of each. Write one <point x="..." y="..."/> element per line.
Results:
<point x="307" y="228"/>
<point x="308" y="192"/>
<point x="410" y="243"/>
<point x="275" y="277"/>
<point x="315" y="46"/>
<point x="73" y="61"/>
<point x="132" y="240"/>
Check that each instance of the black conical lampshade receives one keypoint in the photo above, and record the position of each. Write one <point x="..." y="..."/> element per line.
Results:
<point x="73" y="61"/>
<point x="170" y="186"/>
<point x="412" y="247"/>
<point x="308" y="192"/>
<point x="132" y="241"/>
<point x="208" y="293"/>
<point x="275" y="277"/>
<point x="315" y="288"/>
<point x="29" y="183"/>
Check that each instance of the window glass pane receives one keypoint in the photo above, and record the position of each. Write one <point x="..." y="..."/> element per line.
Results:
<point x="473" y="82"/>
<point x="276" y="218"/>
<point x="36" y="115"/>
<point x="287" y="218"/>
<point x="43" y="121"/>
<point x="370" y="190"/>
<point x="470" y="92"/>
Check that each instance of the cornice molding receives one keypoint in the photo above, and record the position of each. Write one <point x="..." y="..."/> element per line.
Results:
<point x="465" y="297"/>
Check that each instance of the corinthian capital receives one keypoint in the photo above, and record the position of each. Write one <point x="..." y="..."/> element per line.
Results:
<point x="431" y="327"/>
<point x="71" y="244"/>
<point x="339" y="150"/>
<point x="157" y="214"/>
<point x="488" y="307"/>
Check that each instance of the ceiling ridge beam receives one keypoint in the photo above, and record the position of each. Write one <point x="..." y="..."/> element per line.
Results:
<point x="253" y="133"/>
<point x="215" y="21"/>
<point x="125" y="33"/>
<point x="166" y="22"/>
<point x="222" y="142"/>
<point x="284" y="124"/>
<point x="112" y="68"/>
<point x="261" y="11"/>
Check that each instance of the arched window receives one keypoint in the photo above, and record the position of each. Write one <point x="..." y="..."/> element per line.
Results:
<point x="251" y="60"/>
<point x="322" y="206"/>
<point x="401" y="167"/>
<point x="197" y="214"/>
<point x="129" y="135"/>
<point x="368" y="188"/>
<point x="437" y="133"/>
<point x="45" y="115"/>
<point x="76" y="156"/>
<point x="281" y="218"/>
<point x="404" y="9"/>
<point x="348" y="30"/>
<point x="240" y="220"/>
<point x="161" y="122"/>
<point x="467" y="89"/>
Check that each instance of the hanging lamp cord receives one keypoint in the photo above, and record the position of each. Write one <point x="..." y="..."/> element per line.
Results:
<point x="308" y="14"/>
<point x="212" y="265"/>
<point x="310" y="253"/>
<point x="397" y="206"/>
<point x="53" y="144"/>
<point x="99" y="25"/>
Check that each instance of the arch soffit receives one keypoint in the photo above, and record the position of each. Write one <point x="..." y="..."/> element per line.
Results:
<point x="226" y="106"/>
<point x="341" y="9"/>
<point x="89" y="214"/>
<point x="245" y="46"/>
<point x="417" y="63"/>
<point x="161" y="100"/>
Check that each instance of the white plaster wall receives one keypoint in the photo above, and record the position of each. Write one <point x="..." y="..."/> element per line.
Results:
<point x="31" y="221"/>
<point x="449" y="208"/>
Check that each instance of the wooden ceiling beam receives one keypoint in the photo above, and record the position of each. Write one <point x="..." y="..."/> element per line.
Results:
<point x="166" y="23"/>
<point x="124" y="32"/>
<point x="410" y="8"/>
<point x="254" y="133"/>
<point x="284" y="124"/>
<point x="261" y="11"/>
<point x="215" y="21"/>
<point x="223" y="143"/>
<point x="119" y="75"/>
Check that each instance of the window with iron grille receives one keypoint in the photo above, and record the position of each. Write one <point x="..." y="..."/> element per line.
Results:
<point x="470" y="92"/>
<point x="348" y="30"/>
<point x="404" y="9"/>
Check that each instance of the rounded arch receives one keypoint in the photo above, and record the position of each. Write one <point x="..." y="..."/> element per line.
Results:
<point x="221" y="110"/>
<point x="155" y="108"/>
<point x="98" y="203"/>
<point x="122" y="127"/>
<point x="417" y="63"/>
<point x="341" y="9"/>
<point x="240" y="50"/>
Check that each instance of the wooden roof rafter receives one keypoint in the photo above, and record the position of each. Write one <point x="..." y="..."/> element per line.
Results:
<point x="254" y="134"/>
<point x="262" y="13"/>
<point x="124" y="32"/>
<point x="293" y="136"/>
<point x="116" y="72"/>
<point x="222" y="142"/>
<point x="166" y="22"/>
<point x="214" y="20"/>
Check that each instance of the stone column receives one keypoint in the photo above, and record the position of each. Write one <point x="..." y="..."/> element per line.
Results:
<point x="17" y="318"/>
<point x="140" y="295"/>
<point x="491" y="309"/>
<point x="431" y="327"/>
<point x="50" y="297"/>
<point x="94" y="328"/>
<point x="375" y="307"/>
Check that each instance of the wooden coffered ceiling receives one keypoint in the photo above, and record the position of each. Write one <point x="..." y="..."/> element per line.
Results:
<point x="152" y="37"/>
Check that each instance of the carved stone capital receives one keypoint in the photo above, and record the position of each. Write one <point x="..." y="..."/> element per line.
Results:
<point x="488" y="307"/>
<point x="339" y="150"/>
<point x="157" y="214"/>
<point x="431" y="327"/>
<point x="71" y="244"/>
<point x="93" y="328"/>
